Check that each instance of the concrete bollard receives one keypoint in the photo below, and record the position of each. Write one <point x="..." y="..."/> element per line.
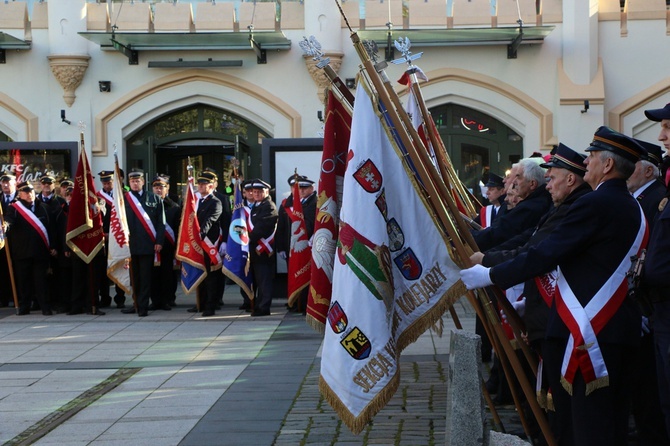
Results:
<point x="465" y="403"/>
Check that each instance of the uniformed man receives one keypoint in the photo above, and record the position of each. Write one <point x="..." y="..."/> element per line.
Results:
<point x="656" y="276"/>
<point x="283" y="239"/>
<point x="55" y="204"/>
<point x="64" y="185"/>
<point x="165" y="276"/>
<point x="248" y="202"/>
<point x="648" y="190"/>
<point x="495" y="194"/>
<point x="105" y="194"/>
<point x="32" y="237"/>
<point x="224" y="226"/>
<point x="593" y="328"/>
<point x="146" y="225"/>
<point x="8" y="183"/>
<point x="261" y="245"/>
<point x="529" y="183"/>
<point x="208" y="214"/>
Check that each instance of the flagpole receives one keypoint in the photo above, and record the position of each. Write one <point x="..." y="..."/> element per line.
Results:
<point x="437" y="198"/>
<point x="9" y="265"/>
<point x="312" y="47"/>
<point x="189" y="175"/>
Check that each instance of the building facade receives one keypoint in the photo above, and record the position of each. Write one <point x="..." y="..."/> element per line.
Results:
<point x="159" y="82"/>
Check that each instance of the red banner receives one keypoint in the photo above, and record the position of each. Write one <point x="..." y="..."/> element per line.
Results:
<point x="300" y="255"/>
<point x="333" y="164"/>
<point x="189" y="244"/>
<point x="84" y="222"/>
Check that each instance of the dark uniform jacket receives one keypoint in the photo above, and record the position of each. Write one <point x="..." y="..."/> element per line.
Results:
<point x="55" y="205"/>
<point x="524" y="215"/>
<point x="226" y="214"/>
<point x="208" y="214"/>
<point x="172" y="217"/>
<point x="140" y="241"/>
<point x="264" y="220"/>
<point x="2" y="201"/>
<point x="536" y="311"/>
<point x="649" y="199"/>
<point x="588" y="244"/>
<point x="656" y="272"/>
<point x="24" y="241"/>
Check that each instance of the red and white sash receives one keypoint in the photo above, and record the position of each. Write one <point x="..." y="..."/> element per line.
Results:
<point x="105" y="196"/>
<point x="583" y="351"/>
<point x="144" y="218"/>
<point x="265" y="245"/>
<point x="35" y="222"/>
<point x="169" y="234"/>
<point x="485" y="216"/>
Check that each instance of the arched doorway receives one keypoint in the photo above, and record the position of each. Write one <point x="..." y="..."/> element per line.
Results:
<point x="476" y="142"/>
<point x="209" y="136"/>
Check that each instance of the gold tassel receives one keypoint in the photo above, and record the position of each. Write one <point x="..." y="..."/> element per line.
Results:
<point x="598" y="383"/>
<point x="566" y="385"/>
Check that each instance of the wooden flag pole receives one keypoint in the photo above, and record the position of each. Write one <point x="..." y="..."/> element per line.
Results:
<point x="427" y="176"/>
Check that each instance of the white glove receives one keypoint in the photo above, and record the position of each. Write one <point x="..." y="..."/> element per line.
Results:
<point x="646" y="326"/>
<point x="520" y="306"/>
<point x="282" y="254"/>
<point x="476" y="277"/>
<point x="222" y="249"/>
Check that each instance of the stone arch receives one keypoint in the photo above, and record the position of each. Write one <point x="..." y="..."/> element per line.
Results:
<point x="16" y="121"/>
<point x="628" y="117"/>
<point x="145" y="103"/>
<point x="513" y="107"/>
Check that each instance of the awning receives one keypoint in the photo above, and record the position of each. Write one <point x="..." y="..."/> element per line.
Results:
<point x="9" y="42"/>
<point x="131" y="43"/>
<point x="510" y="36"/>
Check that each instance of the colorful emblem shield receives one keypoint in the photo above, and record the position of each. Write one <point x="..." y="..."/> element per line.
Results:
<point x="369" y="177"/>
<point x="337" y="318"/>
<point x="409" y="264"/>
<point x="357" y="344"/>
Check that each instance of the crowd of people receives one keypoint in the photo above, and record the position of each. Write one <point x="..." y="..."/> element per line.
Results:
<point x="580" y="257"/>
<point x="48" y="277"/>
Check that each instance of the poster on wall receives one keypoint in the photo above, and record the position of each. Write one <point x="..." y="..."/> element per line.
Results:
<point x="29" y="161"/>
<point x="280" y="159"/>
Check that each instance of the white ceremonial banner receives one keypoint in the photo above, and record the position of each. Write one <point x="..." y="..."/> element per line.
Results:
<point x="118" y="255"/>
<point x="393" y="276"/>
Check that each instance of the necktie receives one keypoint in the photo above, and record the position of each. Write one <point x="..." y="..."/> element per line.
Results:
<point x="7" y="199"/>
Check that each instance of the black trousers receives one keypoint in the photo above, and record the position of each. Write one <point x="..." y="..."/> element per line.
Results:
<point x="85" y="283"/>
<point x="263" y="274"/>
<point x="601" y="418"/>
<point x="6" y="294"/>
<point x="208" y="290"/>
<point x="142" y="267"/>
<point x="31" y="282"/>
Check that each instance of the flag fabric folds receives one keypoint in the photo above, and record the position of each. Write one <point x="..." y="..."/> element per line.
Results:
<point x="84" y="224"/>
<point x="189" y="244"/>
<point x="300" y="255"/>
<point x="393" y="277"/>
<point x="118" y="254"/>
<point x="333" y="163"/>
<point x="236" y="260"/>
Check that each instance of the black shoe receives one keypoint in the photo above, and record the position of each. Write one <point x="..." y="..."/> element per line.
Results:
<point x="47" y="313"/>
<point x="142" y="313"/>
<point x="165" y="307"/>
<point x="260" y="313"/>
<point x="129" y="310"/>
<point x="152" y="307"/>
<point x="23" y="312"/>
<point x="208" y="313"/>
<point x="105" y="302"/>
<point x="120" y="305"/>
<point x="73" y="311"/>
<point x="193" y="310"/>
<point x="96" y="313"/>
